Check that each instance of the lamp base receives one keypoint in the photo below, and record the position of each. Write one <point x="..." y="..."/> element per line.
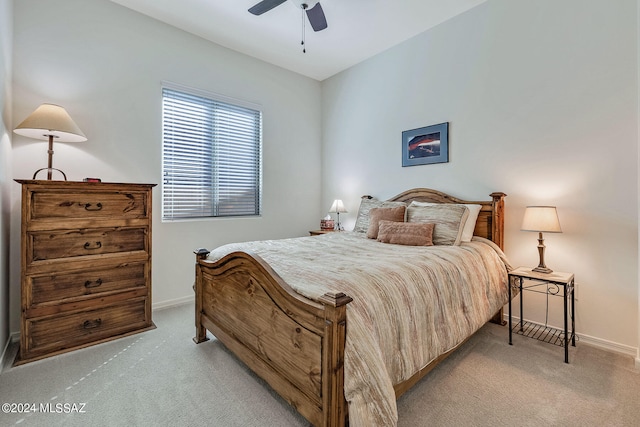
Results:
<point x="338" y="226"/>
<point x="49" y="173"/>
<point x="542" y="267"/>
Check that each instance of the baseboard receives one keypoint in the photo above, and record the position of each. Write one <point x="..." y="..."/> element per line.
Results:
<point x="615" y="347"/>
<point x="5" y="350"/>
<point x="609" y="345"/>
<point x="6" y="359"/>
<point x="172" y="302"/>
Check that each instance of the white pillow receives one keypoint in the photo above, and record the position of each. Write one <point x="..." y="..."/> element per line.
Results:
<point x="470" y="223"/>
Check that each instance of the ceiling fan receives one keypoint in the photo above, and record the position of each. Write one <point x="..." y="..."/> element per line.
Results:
<point x="314" y="14"/>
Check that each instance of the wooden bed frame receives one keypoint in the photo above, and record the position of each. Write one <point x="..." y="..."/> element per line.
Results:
<point x="295" y="344"/>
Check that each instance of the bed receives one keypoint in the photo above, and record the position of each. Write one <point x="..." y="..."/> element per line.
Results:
<point x="250" y="296"/>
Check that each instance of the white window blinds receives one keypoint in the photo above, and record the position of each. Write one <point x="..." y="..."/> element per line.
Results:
<point x="211" y="157"/>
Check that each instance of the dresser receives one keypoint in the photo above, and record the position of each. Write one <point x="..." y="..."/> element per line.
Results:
<point x="85" y="264"/>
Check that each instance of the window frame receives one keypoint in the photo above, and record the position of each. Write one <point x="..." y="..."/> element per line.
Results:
<point x="256" y="145"/>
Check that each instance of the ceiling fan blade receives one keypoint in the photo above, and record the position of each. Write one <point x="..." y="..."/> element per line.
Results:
<point x="265" y="6"/>
<point x="316" y="18"/>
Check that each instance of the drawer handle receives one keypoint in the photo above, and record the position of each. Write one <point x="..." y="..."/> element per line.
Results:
<point x="88" y="246"/>
<point x="90" y="207"/>
<point x="90" y="324"/>
<point x="89" y="284"/>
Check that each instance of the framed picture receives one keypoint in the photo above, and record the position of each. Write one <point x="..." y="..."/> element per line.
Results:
<point x="427" y="145"/>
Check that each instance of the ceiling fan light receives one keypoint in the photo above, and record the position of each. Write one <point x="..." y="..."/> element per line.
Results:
<point x="304" y="4"/>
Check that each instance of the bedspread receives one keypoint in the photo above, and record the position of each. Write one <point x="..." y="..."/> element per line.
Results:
<point x="410" y="304"/>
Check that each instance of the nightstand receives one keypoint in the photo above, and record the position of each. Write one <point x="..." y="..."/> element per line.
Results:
<point x="550" y="284"/>
<point x="319" y="232"/>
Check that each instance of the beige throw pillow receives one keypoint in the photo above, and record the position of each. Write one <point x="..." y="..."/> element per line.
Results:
<point x="379" y="214"/>
<point x="405" y="233"/>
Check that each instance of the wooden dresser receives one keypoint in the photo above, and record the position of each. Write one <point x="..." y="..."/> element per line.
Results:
<point x="86" y="264"/>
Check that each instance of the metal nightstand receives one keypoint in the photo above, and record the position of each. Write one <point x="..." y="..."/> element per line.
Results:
<point x="552" y="282"/>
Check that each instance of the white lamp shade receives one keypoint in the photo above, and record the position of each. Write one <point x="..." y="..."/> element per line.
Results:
<point x="337" y="207"/>
<point x="541" y="218"/>
<point x="50" y="119"/>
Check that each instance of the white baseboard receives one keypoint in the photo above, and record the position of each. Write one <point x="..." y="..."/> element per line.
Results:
<point x="615" y="347"/>
<point x="4" y="354"/>
<point x="6" y="359"/>
<point x="173" y="302"/>
<point x="609" y="345"/>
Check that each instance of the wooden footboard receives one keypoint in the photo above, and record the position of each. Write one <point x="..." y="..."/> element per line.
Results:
<point x="295" y="344"/>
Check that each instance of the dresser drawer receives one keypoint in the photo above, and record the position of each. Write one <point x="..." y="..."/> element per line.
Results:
<point x="78" y="243"/>
<point x="59" y="288"/>
<point x="47" y="204"/>
<point x="61" y="332"/>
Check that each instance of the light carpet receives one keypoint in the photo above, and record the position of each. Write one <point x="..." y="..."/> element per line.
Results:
<point x="161" y="378"/>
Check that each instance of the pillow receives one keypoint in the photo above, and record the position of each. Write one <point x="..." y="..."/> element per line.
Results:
<point x="406" y="233"/>
<point x="449" y="219"/>
<point x="377" y="214"/>
<point x="366" y="204"/>
<point x="469" y="224"/>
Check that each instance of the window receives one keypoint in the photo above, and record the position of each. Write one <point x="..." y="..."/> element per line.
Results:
<point x="211" y="156"/>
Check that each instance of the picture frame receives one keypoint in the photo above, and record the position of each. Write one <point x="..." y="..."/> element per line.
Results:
<point x="426" y="145"/>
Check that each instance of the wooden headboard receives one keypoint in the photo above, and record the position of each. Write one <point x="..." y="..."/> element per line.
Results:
<point x="490" y="223"/>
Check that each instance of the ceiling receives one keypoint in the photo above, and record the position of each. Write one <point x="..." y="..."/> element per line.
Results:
<point x="357" y="29"/>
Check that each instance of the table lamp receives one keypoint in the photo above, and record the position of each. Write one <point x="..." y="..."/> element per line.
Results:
<point x="338" y="207"/>
<point x="541" y="219"/>
<point x="49" y="122"/>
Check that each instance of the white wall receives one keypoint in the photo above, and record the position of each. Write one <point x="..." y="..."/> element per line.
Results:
<point x="105" y="64"/>
<point x="542" y="100"/>
<point x="6" y="38"/>
<point x="638" y="66"/>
